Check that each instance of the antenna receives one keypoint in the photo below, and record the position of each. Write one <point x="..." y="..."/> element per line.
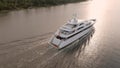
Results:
<point x="74" y="19"/>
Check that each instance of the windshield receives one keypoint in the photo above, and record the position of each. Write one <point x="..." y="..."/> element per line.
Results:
<point x="66" y="32"/>
<point x="71" y="25"/>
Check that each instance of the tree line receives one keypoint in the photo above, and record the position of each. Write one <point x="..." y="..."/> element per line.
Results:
<point x="15" y="4"/>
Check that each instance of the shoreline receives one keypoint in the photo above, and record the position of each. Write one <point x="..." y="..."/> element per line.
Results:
<point x="6" y="9"/>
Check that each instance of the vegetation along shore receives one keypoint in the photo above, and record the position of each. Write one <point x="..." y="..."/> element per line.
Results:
<point x="17" y="4"/>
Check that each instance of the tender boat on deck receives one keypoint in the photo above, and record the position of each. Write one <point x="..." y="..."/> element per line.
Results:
<point x="71" y="31"/>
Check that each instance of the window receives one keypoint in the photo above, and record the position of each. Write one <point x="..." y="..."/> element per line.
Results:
<point x="74" y="26"/>
<point x="81" y="23"/>
<point x="67" y="32"/>
<point x="64" y="32"/>
<point x="58" y="37"/>
<point x="71" y="25"/>
<point x="80" y="27"/>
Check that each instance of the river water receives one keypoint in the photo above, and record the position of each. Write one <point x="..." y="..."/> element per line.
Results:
<point x="103" y="50"/>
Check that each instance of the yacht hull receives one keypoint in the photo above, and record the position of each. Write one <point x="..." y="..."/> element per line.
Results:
<point x="63" y="43"/>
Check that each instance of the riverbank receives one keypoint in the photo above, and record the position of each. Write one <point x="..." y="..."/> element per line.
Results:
<point x="18" y="4"/>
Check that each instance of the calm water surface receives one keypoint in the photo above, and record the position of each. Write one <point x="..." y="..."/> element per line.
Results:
<point x="103" y="50"/>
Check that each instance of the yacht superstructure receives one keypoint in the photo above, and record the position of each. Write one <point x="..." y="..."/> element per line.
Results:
<point x="71" y="31"/>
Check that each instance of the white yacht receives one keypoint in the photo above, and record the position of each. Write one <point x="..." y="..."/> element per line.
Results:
<point x="70" y="32"/>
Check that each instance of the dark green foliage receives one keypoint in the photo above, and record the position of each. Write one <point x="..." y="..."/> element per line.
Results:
<point x="15" y="4"/>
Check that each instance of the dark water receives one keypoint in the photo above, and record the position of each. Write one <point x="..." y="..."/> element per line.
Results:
<point x="30" y="30"/>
